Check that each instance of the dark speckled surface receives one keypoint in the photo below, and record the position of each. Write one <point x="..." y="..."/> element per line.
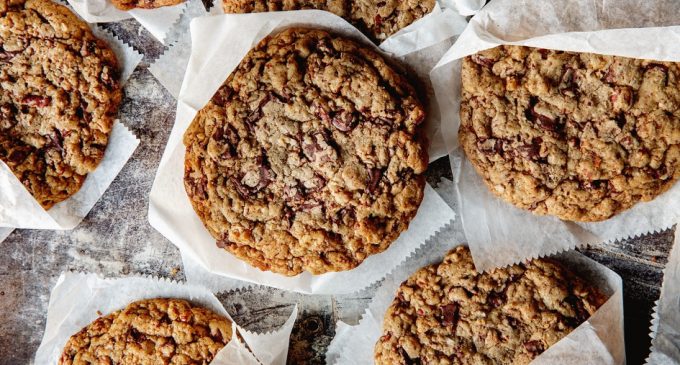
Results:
<point x="116" y="239"/>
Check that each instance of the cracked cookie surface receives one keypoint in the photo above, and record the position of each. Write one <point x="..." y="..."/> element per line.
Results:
<point x="576" y="135"/>
<point x="149" y="332"/>
<point x="378" y="19"/>
<point x="449" y="313"/>
<point x="59" y="95"/>
<point x="309" y="157"/>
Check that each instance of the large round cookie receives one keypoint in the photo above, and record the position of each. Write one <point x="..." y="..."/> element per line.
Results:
<point x="150" y="332"/>
<point x="309" y="156"/>
<point x="378" y="19"/>
<point x="59" y="93"/>
<point x="575" y="135"/>
<point x="450" y="314"/>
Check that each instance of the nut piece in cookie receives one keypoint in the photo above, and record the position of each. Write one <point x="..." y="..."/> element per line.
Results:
<point x="148" y="332"/>
<point x="309" y="157"/>
<point x="449" y="313"/>
<point x="59" y="94"/>
<point x="378" y="19"/>
<point x="578" y="136"/>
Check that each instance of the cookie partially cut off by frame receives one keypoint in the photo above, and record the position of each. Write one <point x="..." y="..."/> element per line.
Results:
<point x="150" y="332"/>
<point x="378" y="19"/>
<point x="579" y="136"/>
<point x="309" y="157"/>
<point x="59" y="95"/>
<point x="449" y="313"/>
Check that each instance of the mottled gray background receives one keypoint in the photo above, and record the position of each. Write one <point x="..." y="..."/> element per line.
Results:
<point x="116" y="239"/>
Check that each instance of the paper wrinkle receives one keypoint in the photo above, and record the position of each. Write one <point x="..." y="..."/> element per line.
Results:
<point x="18" y="208"/>
<point x="666" y="318"/>
<point x="498" y="233"/>
<point x="419" y="46"/>
<point x="599" y="340"/>
<point x="157" y="21"/>
<point x="78" y="297"/>
<point x="215" y="52"/>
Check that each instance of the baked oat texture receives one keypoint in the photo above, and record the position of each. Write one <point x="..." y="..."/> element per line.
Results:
<point x="450" y="314"/>
<point x="59" y="94"/>
<point x="309" y="156"/>
<point x="575" y="135"/>
<point x="377" y="19"/>
<point x="150" y="332"/>
<point x="143" y="4"/>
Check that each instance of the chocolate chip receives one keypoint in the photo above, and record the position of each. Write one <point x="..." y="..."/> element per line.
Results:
<point x="482" y="60"/>
<point x="578" y="307"/>
<point x="36" y="101"/>
<point x="256" y="114"/>
<point x="544" y="53"/>
<point x="620" y="120"/>
<point x="18" y="156"/>
<point x="242" y="189"/>
<point x="326" y="46"/>
<point x="223" y="95"/>
<point x="378" y="20"/>
<point x="496" y="299"/>
<point x="6" y="56"/>
<point x="375" y="175"/>
<point x="344" y="121"/>
<point x="534" y="347"/>
<point x="449" y="314"/>
<point x="137" y="336"/>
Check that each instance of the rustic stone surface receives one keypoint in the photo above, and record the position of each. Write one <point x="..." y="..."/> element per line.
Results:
<point x="116" y="239"/>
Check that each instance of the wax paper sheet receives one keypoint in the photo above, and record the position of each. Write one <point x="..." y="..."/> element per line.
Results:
<point x="666" y="326"/>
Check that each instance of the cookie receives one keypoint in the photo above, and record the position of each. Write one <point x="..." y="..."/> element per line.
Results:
<point x="59" y="94"/>
<point x="449" y="313"/>
<point x="578" y="136"/>
<point x="377" y="19"/>
<point x="309" y="157"/>
<point x="143" y="4"/>
<point x="149" y="332"/>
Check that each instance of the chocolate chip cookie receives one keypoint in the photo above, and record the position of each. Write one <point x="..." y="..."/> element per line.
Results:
<point x="576" y="135"/>
<point x="149" y="332"/>
<point x="59" y="95"/>
<point x="378" y="19"/>
<point x="143" y="4"/>
<point x="309" y="156"/>
<point x="450" y="314"/>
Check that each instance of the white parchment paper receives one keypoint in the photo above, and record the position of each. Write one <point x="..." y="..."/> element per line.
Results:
<point x="77" y="298"/>
<point x="18" y="208"/>
<point x="600" y="340"/>
<point x="498" y="233"/>
<point x="666" y="327"/>
<point x="157" y="21"/>
<point x="218" y="45"/>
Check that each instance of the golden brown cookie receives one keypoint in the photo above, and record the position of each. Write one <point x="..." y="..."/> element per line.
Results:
<point x="59" y="94"/>
<point x="150" y="332"/>
<point x="576" y="135"/>
<point x="309" y="157"/>
<point x="449" y="313"/>
<point x="378" y="19"/>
